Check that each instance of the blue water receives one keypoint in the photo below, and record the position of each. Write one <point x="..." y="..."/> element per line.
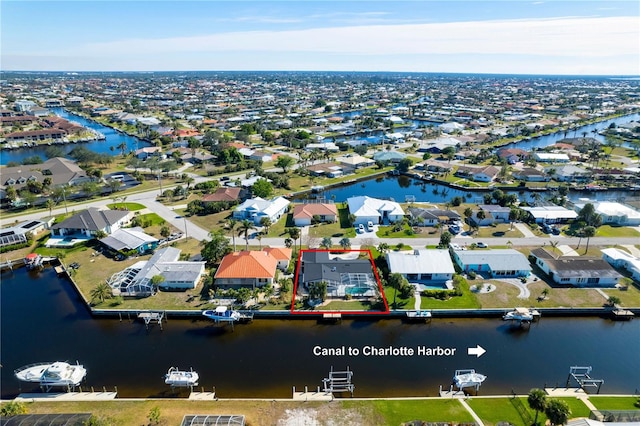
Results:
<point x="103" y="147"/>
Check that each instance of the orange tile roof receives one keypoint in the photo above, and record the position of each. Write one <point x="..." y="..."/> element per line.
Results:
<point x="309" y="210"/>
<point x="247" y="264"/>
<point x="279" y="253"/>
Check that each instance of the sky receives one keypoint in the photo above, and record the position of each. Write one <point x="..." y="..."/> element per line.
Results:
<point x="598" y="37"/>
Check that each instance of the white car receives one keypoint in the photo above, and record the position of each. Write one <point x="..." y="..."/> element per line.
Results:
<point x="361" y="228"/>
<point x="370" y="226"/>
<point x="481" y="245"/>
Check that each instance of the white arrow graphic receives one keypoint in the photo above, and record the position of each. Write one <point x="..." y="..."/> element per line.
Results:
<point x="477" y="351"/>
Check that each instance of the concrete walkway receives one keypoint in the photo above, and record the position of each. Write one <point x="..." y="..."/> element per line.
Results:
<point x="470" y="410"/>
<point x="526" y="231"/>
<point x="632" y="249"/>
<point x="567" y="251"/>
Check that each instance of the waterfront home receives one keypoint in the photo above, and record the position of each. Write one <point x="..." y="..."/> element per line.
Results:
<point x="35" y="135"/>
<point x="86" y="224"/>
<point x="343" y="274"/>
<point x="498" y="263"/>
<point x="613" y="213"/>
<point x="569" y="173"/>
<point x="304" y="214"/>
<point x="128" y="239"/>
<point x="148" y="151"/>
<point x="550" y="214"/>
<point x="246" y="269"/>
<point x="387" y="157"/>
<point x="621" y="259"/>
<point x="367" y="209"/>
<point x="60" y="171"/>
<point x="331" y="170"/>
<point x="478" y="174"/>
<point x="530" y="175"/>
<point x="17" y="234"/>
<point x="419" y="216"/>
<point x="549" y="157"/>
<point x="438" y="166"/>
<point x="436" y="146"/>
<point x="354" y="161"/>
<point x="578" y="271"/>
<point x="136" y="280"/>
<point x="431" y="267"/>
<point x="256" y="208"/>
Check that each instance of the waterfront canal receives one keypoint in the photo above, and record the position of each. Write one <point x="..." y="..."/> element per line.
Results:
<point x="42" y="319"/>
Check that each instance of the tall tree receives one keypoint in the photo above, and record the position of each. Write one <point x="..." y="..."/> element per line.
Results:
<point x="285" y="162"/>
<point x="265" y="222"/>
<point x="345" y="243"/>
<point x="326" y="243"/>
<point x="216" y="248"/>
<point x="294" y="233"/>
<point x="588" y="231"/>
<point x="244" y="228"/>
<point x="557" y="412"/>
<point x="537" y="400"/>
<point x="230" y="225"/>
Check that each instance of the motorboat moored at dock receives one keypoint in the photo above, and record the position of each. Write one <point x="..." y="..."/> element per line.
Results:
<point x="180" y="378"/>
<point x="521" y="314"/>
<point x="52" y="374"/>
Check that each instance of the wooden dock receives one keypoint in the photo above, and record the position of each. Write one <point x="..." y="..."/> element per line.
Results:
<point x="151" y="318"/>
<point x="203" y="396"/>
<point x="622" y="315"/>
<point x="67" y="396"/>
<point x="316" y="395"/>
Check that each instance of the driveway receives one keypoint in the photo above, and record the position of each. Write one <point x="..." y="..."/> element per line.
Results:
<point x="526" y="231"/>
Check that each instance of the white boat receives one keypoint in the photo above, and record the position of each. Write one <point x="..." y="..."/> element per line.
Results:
<point x="222" y="313"/>
<point x="521" y="314"/>
<point x="468" y="379"/>
<point x="180" y="378"/>
<point x="418" y="314"/>
<point x="50" y="374"/>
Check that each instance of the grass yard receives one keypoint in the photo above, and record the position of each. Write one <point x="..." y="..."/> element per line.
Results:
<point x="629" y="298"/>
<point x="397" y="412"/>
<point x="126" y="206"/>
<point x="388" y="232"/>
<point x="468" y="300"/>
<point x="614" y="402"/>
<point x="210" y="221"/>
<point x="495" y="410"/>
<point x="502" y="230"/>
<point x="616" y="231"/>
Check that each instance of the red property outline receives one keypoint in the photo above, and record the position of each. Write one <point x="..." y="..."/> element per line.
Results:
<point x="293" y="311"/>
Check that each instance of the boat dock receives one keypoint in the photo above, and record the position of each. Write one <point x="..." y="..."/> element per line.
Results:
<point x="151" y="318"/>
<point x="622" y="314"/>
<point x="316" y="395"/>
<point x="67" y="396"/>
<point x="203" y="396"/>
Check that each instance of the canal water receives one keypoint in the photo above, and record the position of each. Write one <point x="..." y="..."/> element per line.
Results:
<point x="42" y="319"/>
<point x="113" y="140"/>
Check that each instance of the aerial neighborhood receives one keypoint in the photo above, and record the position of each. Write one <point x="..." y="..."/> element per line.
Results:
<point x="433" y="187"/>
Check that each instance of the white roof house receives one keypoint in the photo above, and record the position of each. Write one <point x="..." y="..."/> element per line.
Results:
<point x="367" y="209"/>
<point x="130" y="239"/>
<point x="615" y="213"/>
<point x="257" y="208"/>
<point x="422" y="265"/>
<point x="621" y="259"/>
<point x="136" y="279"/>
<point x="497" y="263"/>
<point x="551" y="157"/>
<point x="550" y="214"/>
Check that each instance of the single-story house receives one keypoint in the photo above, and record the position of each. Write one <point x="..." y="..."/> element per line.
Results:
<point x="530" y="175"/>
<point x="225" y="195"/>
<point x="438" y="166"/>
<point x="579" y="271"/>
<point x="246" y="269"/>
<point x="367" y="209"/>
<point x="549" y="157"/>
<point x="613" y="213"/>
<point x="570" y="173"/>
<point x="492" y="214"/>
<point x="17" y="234"/>
<point x="354" y="161"/>
<point x="342" y="276"/>
<point x="389" y="156"/>
<point x="303" y="214"/>
<point x="330" y="169"/>
<point x="498" y="263"/>
<point x="147" y="151"/>
<point x="89" y="222"/>
<point x="621" y="259"/>
<point x="422" y="266"/>
<point x="136" y="280"/>
<point x="256" y="208"/>
<point x="550" y="214"/>
<point x="127" y="239"/>
<point x="431" y="217"/>
<point x="478" y="174"/>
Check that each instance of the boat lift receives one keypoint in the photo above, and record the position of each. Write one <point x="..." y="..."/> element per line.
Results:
<point x="151" y="318"/>
<point x="338" y="381"/>
<point x="581" y="375"/>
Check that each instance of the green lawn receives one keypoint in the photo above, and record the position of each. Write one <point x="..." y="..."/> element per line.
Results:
<point x="397" y="412"/>
<point x="153" y="218"/>
<point x="388" y="232"/>
<point x="126" y="206"/>
<point x="495" y="410"/>
<point x="616" y="231"/>
<point x="500" y="230"/>
<point x="346" y="305"/>
<point x="614" y="402"/>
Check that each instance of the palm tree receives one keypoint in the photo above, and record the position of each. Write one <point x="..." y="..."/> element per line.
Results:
<point x="557" y="412"/>
<point x="122" y="147"/>
<point x="101" y="292"/>
<point x="266" y="224"/>
<point x="326" y="243"/>
<point x="383" y="247"/>
<point x="537" y="400"/>
<point x="345" y="243"/>
<point x="245" y="227"/>
<point x="230" y="224"/>
<point x="50" y="204"/>
<point x="294" y="233"/>
<point x="589" y="231"/>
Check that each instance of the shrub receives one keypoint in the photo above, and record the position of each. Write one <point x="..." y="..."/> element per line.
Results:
<point x="472" y="275"/>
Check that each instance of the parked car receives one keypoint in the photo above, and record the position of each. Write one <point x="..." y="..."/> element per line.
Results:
<point x="454" y="229"/>
<point x="481" y="245"/>
<point x="546" y="228"/>
<point x="361" y="228"/>
<point x="555" y="230"/>
<point x="370" y="226"/>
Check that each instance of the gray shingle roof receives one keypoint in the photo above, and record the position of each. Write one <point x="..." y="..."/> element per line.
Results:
<point x="92" y="219"/>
